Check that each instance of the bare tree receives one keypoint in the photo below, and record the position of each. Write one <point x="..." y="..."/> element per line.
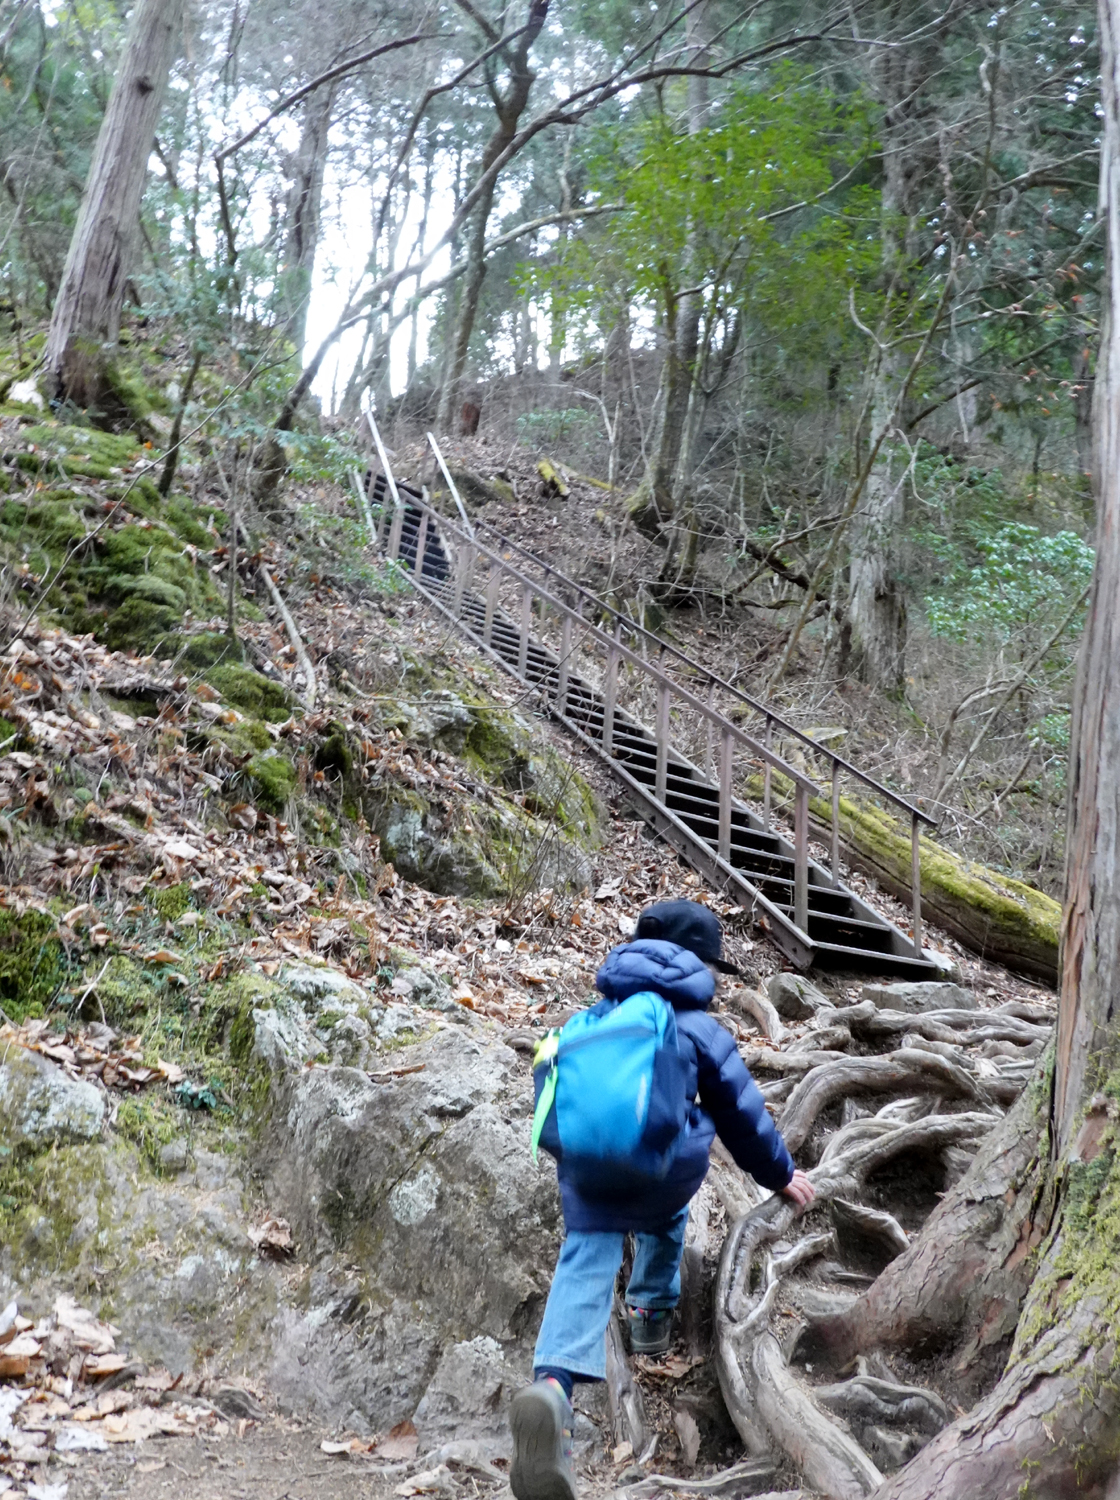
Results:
<point x="304" y="206"/>
<point x="87" y="312"/>
<point x="509" y="106"/>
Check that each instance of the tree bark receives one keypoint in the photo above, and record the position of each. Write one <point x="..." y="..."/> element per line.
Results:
<point x="305" y="197"/>
<point x="87" y="312"/>
<point x="876" y="602"/>
<point x="656" y="501"/>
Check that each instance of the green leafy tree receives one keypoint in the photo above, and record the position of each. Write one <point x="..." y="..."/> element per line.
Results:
<point x="746" y="213"/>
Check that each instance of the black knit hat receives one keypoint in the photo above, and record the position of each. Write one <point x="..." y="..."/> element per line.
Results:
<point x="689" y="925"/>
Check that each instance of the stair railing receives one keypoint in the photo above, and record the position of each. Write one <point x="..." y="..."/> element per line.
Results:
<point x="578" y="634"/>
<point x="835" y="766"/>
<point x="508" y="584"/>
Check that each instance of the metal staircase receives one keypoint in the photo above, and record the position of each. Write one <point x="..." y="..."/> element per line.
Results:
<point x="739" y="812"/>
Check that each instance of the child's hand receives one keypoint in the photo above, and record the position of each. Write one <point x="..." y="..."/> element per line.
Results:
<point x="800" y="1189"/>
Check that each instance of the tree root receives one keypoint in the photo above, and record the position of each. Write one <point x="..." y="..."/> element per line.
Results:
<point x="905" y="1069"/>
<point x="740" y="1479"/>
<point x="767" y="1401"/>
<point x="755" y="1004"/>
<point x="628" y="1412"/>
<point x="865" y="1399"/>
<point x="966" y="1271"/>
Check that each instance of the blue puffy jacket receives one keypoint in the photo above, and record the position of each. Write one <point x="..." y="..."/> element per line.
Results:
<point x="726" y="1099"/>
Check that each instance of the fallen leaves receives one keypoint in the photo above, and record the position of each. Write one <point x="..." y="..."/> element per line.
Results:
<point x="272" y="1239"/>
<point x="93" y="1052"/>
<point x="61" y="1408"/>
<point x="400" y="1442"/>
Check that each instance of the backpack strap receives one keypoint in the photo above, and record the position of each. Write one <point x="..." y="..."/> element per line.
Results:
<point x="544" y="1054"/>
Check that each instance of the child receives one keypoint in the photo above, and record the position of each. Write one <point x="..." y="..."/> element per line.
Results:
<point x="676" y="946"/>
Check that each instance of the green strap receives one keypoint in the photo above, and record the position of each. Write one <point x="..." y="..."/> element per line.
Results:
<point x="545" y="1052"/>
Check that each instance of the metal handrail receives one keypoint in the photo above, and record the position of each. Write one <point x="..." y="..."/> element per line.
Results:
<point x="713" y="677"/>
<point x="470" y="547"/>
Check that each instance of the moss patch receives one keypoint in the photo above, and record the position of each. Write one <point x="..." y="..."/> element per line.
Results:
<point x="31" y="966"/>
<point x="149" y="1122"/>
<point x="173" y="901"/>
<point x="209" y="649"/>
<point x="126" y="991"/>
<point x="251" y="692"/>
<point x="274" y="780"/>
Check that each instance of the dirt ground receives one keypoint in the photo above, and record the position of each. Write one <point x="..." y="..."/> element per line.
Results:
<point x="275" y="1460"/>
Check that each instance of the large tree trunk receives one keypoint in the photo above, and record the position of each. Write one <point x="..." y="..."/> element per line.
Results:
<point x="305" y="198"/>
<point x="655" y="503"/>
<point x="876" y="604"/>
<point x="87" y="312"/>
<point x="1051" y="1426"/>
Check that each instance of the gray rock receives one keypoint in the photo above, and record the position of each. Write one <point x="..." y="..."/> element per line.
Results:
<point x="419" y="987"/>
<point x="422" y="1184"/>
<point x="174" y="1156"/>
<point x="469" y="1395"/>
<point x="321" y="988"/>
<point x="922" y="996"/>
<point x="793" y="997"/>
<point x="39" y="1103"/>
<point x="397" y="1021"/>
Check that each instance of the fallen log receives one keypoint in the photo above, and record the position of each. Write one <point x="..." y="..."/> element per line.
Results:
<point x="999" y="918"/>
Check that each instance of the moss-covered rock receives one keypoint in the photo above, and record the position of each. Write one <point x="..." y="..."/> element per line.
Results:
<point x="79" y="450"/>
<point x="251" y="692"/>
<point x="31" y="963"/>
<point x="140" y="625"/>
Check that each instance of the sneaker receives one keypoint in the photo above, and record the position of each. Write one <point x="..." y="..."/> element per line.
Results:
<point x="651" y="1329"/>
<point x="541" y="1419"/>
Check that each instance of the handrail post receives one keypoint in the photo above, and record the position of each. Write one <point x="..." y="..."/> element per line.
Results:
<point x="398" y="507"/>
<point x="662" y="740"/>
<point x="565" y="654"/>
<point x="710" y="737"/>
<point x="421" y="547"/>
<point x="395" y="532"/>
<point x="610" y="695"/>
<point x="526" y="620"/>
<point x="726" y="757"/>
<point x="464" y="574"/>
<point x="766" y="778"/>
<point x="835" y="852"/>
<point x="801" y="858"/>
<point x="493" y="580"/>
<point x="916" y="883"/>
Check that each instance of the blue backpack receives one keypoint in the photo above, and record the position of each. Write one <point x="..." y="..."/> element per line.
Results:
<point x="611" y="1101"/>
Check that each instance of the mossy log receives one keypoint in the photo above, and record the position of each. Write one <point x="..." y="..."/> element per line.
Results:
<point x="999" y="918"/>
<point x="1002" y="919"/>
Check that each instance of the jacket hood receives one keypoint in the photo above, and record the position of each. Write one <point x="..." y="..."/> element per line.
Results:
<point x="674" y="973"/>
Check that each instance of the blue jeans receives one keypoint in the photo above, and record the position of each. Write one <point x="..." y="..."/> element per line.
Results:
<point x="573" y="1331"/>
